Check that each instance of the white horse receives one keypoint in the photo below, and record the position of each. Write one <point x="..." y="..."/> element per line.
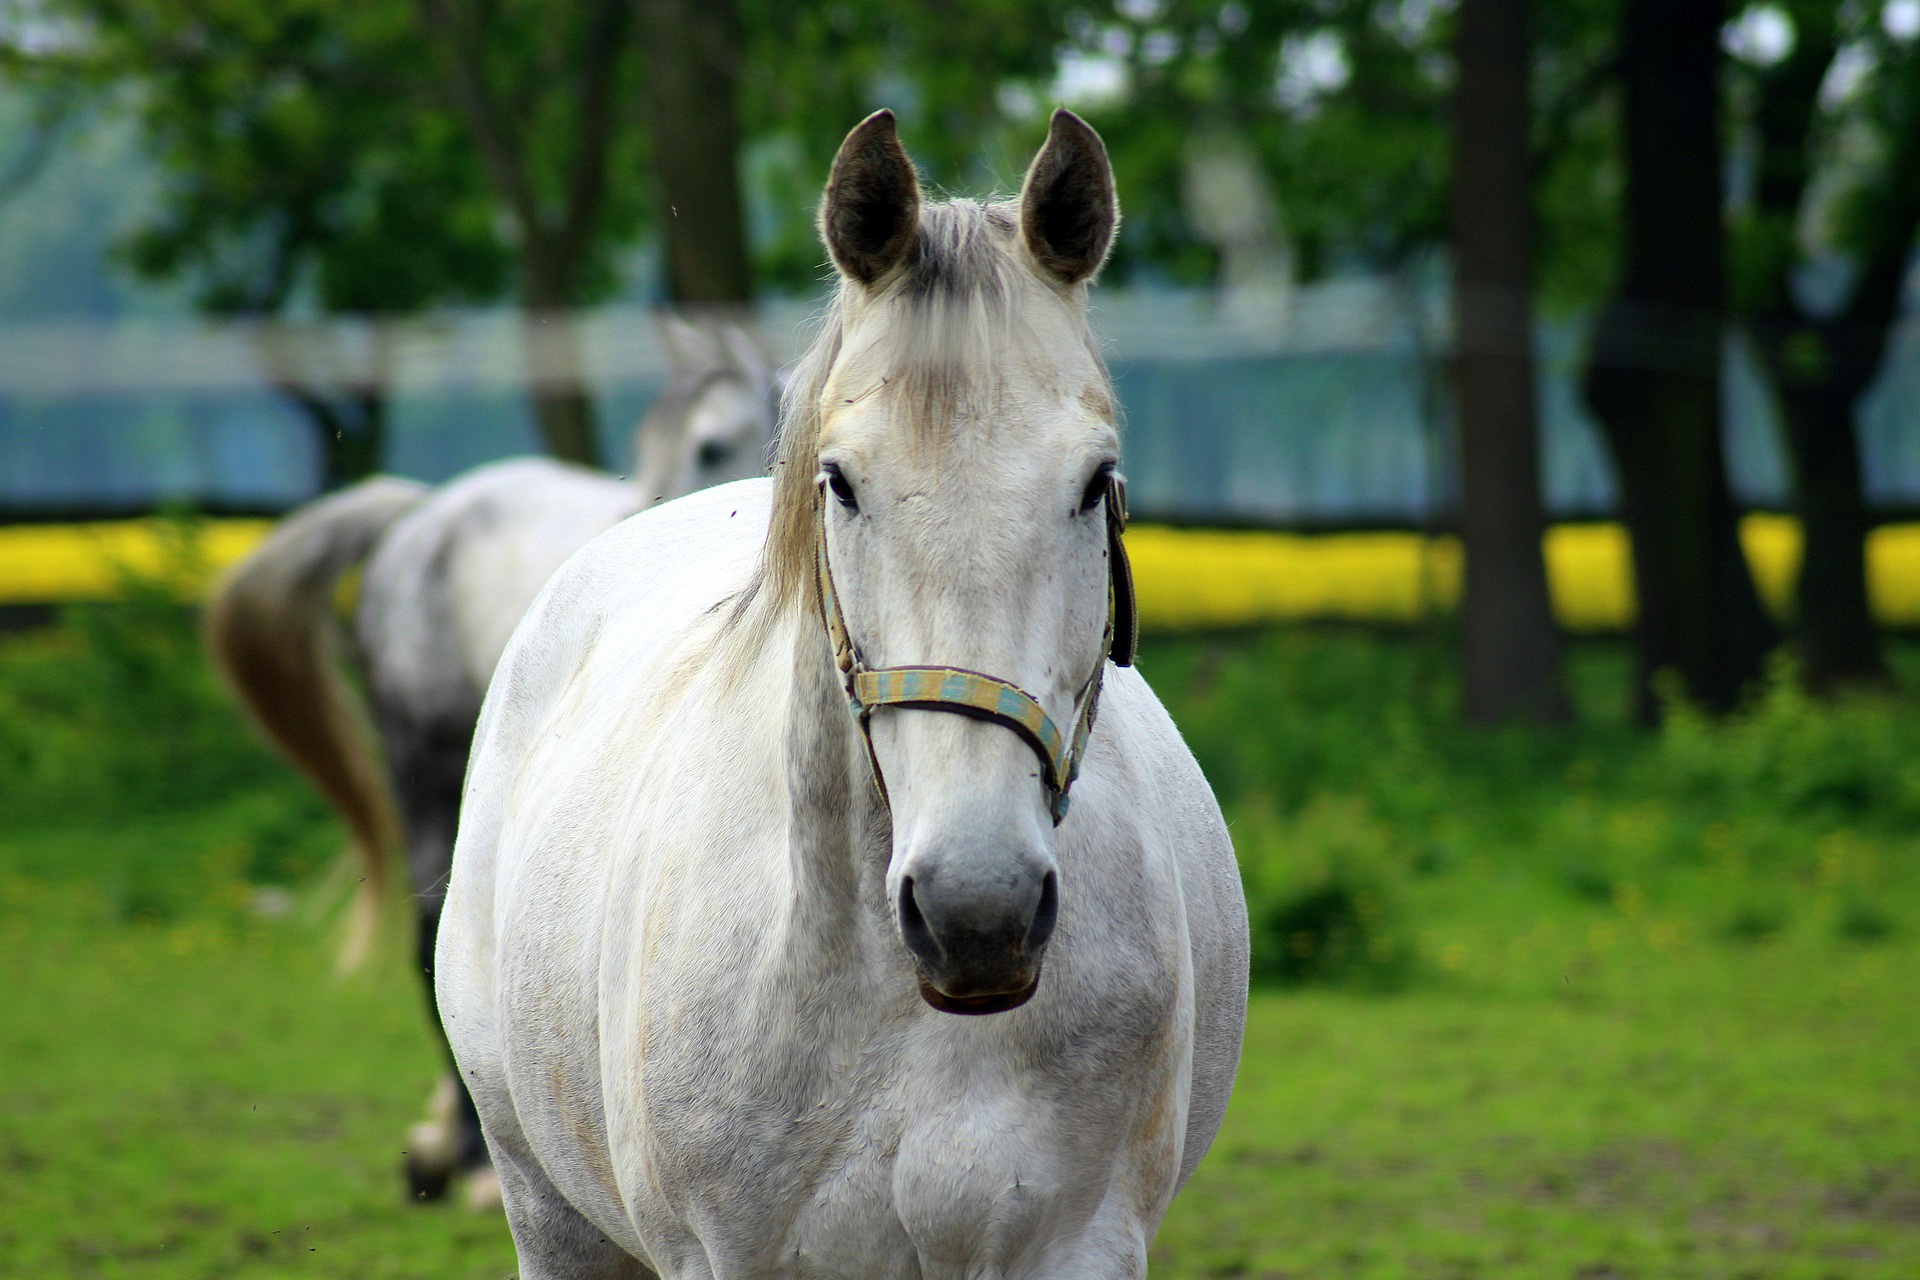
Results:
<point x="726" y="870"/>
<point x="447" y="574"/>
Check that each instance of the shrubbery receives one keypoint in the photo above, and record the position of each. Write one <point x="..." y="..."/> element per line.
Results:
<point x="1851" y="761"/>
<point x="1323" y="893"/>
<point x="117" y="712"/>
<point x="1353" y="791"/>
<point x="1349" y="780"/>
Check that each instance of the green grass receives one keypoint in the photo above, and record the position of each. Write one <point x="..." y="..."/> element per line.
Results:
<point x="1586" y="1004"/>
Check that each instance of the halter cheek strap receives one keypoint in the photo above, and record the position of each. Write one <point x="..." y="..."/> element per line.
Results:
<point x="972" y="693"/>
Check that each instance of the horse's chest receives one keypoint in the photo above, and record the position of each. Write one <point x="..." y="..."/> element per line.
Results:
<point x="881" y="1187"/>
<point x="818" y="1151"/>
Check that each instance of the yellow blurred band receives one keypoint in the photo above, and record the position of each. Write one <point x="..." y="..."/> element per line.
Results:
<point x="55" y="563"/>
<point x="1188" y="578"/>
<point x="1194" y="578"/>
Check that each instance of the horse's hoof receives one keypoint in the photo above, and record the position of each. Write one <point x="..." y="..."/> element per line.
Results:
<point x="426" y="1182"/>
<point x="483" y="1191"/>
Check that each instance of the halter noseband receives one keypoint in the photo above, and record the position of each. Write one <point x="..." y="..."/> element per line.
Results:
<point x="984" y="697"/>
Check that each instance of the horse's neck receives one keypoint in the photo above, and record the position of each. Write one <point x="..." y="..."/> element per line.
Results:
<point x="838" y="833"/>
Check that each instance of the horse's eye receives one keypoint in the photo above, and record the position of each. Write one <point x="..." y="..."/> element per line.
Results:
<point x="1096" y="489"/>
<point x="841" y="488"/>
<point x="714" y="452"/>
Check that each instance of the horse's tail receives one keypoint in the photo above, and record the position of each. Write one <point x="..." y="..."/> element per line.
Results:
<point x="274" y="630"/>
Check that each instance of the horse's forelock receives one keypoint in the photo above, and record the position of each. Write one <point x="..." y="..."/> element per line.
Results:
<point x="956" y="312"/>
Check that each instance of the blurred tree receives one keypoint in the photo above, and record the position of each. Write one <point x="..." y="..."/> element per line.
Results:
<point x="1511" y="648"/>
<point x="958" y="74"/>
<point x="1654" y="366"/>
<point x="313" y="169"/>
<point x="297" y="183"/>
<point x="692" y="51"/>
<point x="1343" y="104"/>
<point x="545" y="88"/>
<point x="1347" y="104"/>
<point x="50" y="112"/>
<point x="1837" y="190"/>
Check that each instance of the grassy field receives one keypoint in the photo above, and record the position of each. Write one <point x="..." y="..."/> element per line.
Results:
<point x="1591" y="1004"/>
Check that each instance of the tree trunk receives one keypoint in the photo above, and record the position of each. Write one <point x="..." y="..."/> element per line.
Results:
<point x="1820" y="365"/>
<point x="1511" y="647"/>
<point x="692" y="51"/>
<point x="1654" y="368"/>
<point x="1839" y="642"/>
<point x="355" y="452"/>
<point x="563" y="407"/>
<point x="351" y="431"/>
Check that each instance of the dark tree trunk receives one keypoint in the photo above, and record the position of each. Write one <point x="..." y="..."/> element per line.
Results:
<point x="1838" y="640"/>
<point x="557" y="241"/>
<point x="357" y="451"/>
<point x="1654" y="369"/>
<point x="1820" y="366"/>
<point x="1511" y="647"/>
<point x="563" y="408"/>
<point x="351" y="430"/>
<point x="692" y="51"/>
<point x="1819" y="370"/>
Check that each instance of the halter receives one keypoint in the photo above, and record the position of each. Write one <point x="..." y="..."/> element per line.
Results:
<point x="984" y="697"/>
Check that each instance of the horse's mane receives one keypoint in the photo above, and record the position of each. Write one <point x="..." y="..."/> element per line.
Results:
<point x="954" y="314"/>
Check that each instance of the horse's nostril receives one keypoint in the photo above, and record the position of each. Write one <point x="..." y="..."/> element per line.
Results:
<point x="913" y="926"/>
<point x="1044" y="915"/>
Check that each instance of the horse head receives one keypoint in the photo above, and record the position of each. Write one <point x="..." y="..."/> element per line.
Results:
<point x="715" y="419"/>
<point x="965" y="529"/>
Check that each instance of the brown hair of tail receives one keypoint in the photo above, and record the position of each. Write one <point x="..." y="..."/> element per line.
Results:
<point x="275" y="636"/>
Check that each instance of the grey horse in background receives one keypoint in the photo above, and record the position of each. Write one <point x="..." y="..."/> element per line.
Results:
<point x="446" y="573"/>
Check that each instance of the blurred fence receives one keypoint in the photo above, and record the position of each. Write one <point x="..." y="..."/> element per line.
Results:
<point x="1319" y="408"/>
<point x="1288" y="456"/>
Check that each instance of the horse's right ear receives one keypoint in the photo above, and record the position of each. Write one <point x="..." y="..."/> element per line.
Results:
<point x="871" y="212"/>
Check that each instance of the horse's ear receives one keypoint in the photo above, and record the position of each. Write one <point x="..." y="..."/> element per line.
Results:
<point x="1067" y="209"/>
<point x="871" y="212"/>
<point x="686" y="343"/>
<point x="748" y="353"/>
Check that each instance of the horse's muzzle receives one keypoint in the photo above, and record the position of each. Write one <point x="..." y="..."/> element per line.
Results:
<point x="974" y="953"/>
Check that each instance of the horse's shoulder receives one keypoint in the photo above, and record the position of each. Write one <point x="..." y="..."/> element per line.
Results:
<point x="1169" y="809"/>
<point x="1142" y="728"/>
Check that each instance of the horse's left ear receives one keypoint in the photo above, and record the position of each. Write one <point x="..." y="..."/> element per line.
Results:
<point x="1067" y="209"/>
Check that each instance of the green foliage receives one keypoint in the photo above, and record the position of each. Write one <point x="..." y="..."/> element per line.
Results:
<point x="1348" y="779"/>
<point x="383" y="155"/>
<point x="1850" y="762"/>
<point x="303" y="164"/>
<point x="815" y="70"/>
<point x="118" y="715"/>
<point x="1323" y="897"/>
